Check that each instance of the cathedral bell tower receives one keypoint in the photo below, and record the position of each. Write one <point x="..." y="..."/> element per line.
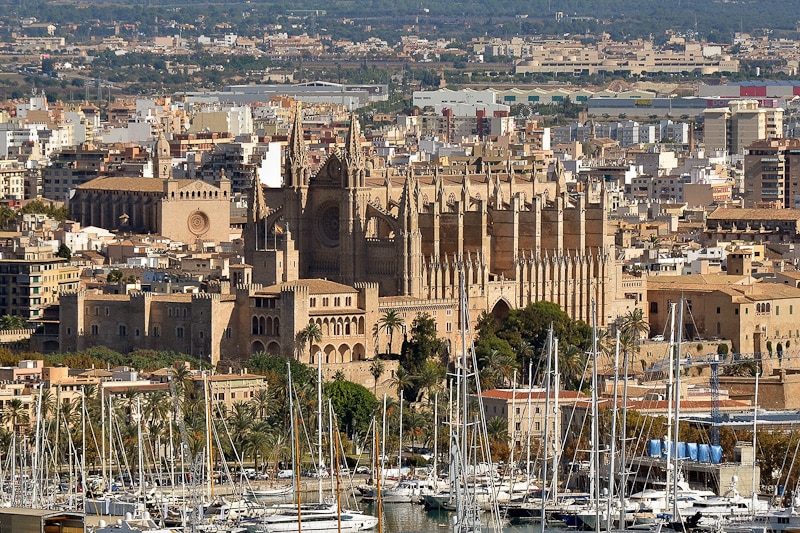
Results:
<point x="162" y="159"/>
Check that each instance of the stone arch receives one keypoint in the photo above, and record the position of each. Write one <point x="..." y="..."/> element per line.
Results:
<point x="256" y="347"/>
<point x="274" y="217"/>
<point x="345" y="354"/>
<point x="347" y="326"/>
<point x="330" y="353"/>
<point x="380" y="225"/>
<point x="501" y="309"/>
<point x="274" y="348"/>
<point x="359" y="352"/>
<point x="361" y="325"/>
<point x="313" y="353"/>
<point x="326" y="327"/>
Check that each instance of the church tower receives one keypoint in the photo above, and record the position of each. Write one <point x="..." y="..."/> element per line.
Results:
<point x="162" y="159"/>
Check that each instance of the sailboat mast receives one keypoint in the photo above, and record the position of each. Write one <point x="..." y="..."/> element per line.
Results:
<point x="209" y="455"/>
<point x="754" y="495"/>
<point x="378" y="476"/>
<point x="462" y="386"/>
<point x="677" y="398"/>
<point x="400" y="440"/>
<point x="528" y="414"/>
<point x="435" y="436"/>
<point x="556" y="419"/>
<point x="295" y="449"/>
<point x="319" y="426"/>
<point x="335" y="433"/>
<point x="667" y="466"/>
<point x="595" y="463"/>
<point x="37" y="446"/>
<point x="611" y="472"/>
<point x="106" y="480"/>
<point x="545" y="436"/>
<point x="140" y="446"/>
<point x="623" y="482"/>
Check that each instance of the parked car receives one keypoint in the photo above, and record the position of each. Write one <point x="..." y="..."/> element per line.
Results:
<point x="363" y="469"/>
<point x="285" y="474"/>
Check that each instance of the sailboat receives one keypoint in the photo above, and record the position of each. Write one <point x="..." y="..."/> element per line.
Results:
<point x="468" y="439"/>
<point x="319" y="517"/>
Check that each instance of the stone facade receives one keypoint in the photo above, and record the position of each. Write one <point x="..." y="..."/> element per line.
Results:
<point x="182" y="210"/>
<point x="517" y="238"/>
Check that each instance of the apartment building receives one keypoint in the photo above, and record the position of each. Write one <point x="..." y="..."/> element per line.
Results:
<point x="31" y="278"/>
<point x="740" y="124"/>
<point x="772" y="173"/>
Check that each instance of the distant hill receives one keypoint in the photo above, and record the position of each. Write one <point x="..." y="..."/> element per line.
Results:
<point x="712" y="20"/>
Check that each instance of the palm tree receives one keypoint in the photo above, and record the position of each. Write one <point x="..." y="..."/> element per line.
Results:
<point x="240" y="420"/>
<point x="430" y="379"/>
<point x="15" y="413"/>
<point x="309" y="335"/>
<point x="12" y="322"/>
<point x="571" y="365"/>
<point x="497" y="430"/>
<point x="498" y="369"/>
<point x="390" y="321"/>
<point x="376" y="368"/>
<point x="260" y="402"/>
<point x="402" y="380"/>
<point x="258" y="444"/>
<point x="635" y="325"/>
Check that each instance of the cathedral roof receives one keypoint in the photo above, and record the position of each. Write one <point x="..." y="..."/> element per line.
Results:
<point x="131" y="184"/>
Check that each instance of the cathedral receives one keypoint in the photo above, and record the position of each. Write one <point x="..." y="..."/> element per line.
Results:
<point x="340" y="246"/>
<point x="517" y="238"/>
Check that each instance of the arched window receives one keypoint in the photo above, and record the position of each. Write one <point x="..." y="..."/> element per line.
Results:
<point x="277" y="325"/>
<point x="255" y="325"/>
<point x="261" y="326"/>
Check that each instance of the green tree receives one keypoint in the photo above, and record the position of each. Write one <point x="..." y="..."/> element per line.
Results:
<point x="6" y="216"/>
<point x="260" y="402"/>
<point x="114" y="276"/>
<point x="430" y="380"/>
<point x="532" y="323"/>
<point x="12" y="322"/>
<point x="309" y="335"/>
<point x="635" y="325"/>
<point x="390" y="321"/>
<point x="353" y="404"/>
<point x="64" y="251"/>
<point x="376" y="369"/>
<point x="402" y="381"/>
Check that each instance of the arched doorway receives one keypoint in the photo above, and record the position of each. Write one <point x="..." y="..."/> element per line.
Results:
<point x="274" y="348"/>
<point x="256" y="347"/>
<point x="500" y="310"/>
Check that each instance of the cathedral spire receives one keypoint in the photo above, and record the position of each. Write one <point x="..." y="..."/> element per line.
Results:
<point x="256" y="206"/>
<point x="353" y="156"/>
<point x="297" y="154"/>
